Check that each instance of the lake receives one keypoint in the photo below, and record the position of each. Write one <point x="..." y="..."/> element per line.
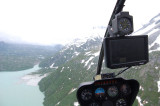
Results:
<point x="15" y="92"/>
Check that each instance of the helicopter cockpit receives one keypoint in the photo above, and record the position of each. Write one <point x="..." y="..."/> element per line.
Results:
<point x="110" y="92"/>
<point x="119" y="51"/>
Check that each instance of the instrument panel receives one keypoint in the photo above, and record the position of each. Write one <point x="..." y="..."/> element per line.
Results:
<point x="108" y="92"/>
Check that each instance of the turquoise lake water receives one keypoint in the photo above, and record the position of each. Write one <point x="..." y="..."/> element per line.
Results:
<point x="15" y="92"/>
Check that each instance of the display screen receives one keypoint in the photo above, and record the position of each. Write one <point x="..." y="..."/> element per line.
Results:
<point x="126" y="51"/>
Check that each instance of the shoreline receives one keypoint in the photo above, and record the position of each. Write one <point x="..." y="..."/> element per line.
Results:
<point x="20" y="70"/>
<point x="33" y="80"/>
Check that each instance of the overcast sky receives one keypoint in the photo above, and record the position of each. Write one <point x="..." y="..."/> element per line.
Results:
<point x="59" y="21"/>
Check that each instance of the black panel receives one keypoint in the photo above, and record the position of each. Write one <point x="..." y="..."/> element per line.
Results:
<point x="126" y="51"/>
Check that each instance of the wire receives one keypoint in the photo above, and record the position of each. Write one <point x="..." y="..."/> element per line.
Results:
<point x="123" y="71"/>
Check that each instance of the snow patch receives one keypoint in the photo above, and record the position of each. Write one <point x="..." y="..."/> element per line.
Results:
<point x="145" y="29"/>
<point x="76" y="104"/>
<point x="55" y="67"/>
<point x="158" y="83"/>
<point x="72" y="90"/>
<point x="145" y="102"/>
<point x="82" y="61"/>
<point x="86" y="63"/>
<point x="62" y="69"/>
<point x="87" y="53"/>
<point x="64" y="49"/>
<point x="156" y="68"/>
<point x="90" y="65"/>
<point x="78" y="42"/>
<point x="96" y="54"/>
<point x="33" y="80"/>
<point x="158" y="49"/>
<point x="153" y="31"/>
<point x="57" y="103"/>
<point x="141" y="88"/>
<point x="51" y="66"/>
<point x="76" y="53"/>
<point x="139" y="101"/>
<point x="157" y="18"/>
<point x="156" y="41"/>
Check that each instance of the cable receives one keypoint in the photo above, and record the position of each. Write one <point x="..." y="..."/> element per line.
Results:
<point x="122" y="71"/>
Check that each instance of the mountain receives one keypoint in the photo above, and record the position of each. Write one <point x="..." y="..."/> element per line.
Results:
<point x="77" y="63"/>
<point x="152" y="29"/>
<point x="69" y="67"/>
<point x="15" y="57"/>
<point x="72" y="50"/>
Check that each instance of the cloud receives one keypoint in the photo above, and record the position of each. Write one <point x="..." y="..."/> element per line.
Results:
<point x="59" y="21"/>
<point x="9" y="38"/>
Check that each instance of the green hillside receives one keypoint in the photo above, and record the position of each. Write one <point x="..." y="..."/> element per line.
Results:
<point x="59" y="84"/>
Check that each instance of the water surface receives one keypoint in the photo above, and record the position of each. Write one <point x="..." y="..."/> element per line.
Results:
<point x="15" y="92"/>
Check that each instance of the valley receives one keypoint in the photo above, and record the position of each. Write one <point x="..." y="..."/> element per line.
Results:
<point x="15" y="57"/>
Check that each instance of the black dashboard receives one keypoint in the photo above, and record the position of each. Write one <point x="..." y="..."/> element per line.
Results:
<point x="108" y="92"/>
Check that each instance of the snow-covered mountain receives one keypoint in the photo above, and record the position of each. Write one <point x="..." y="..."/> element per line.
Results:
<point x="152" y="29"/>
<point x="89" y="47"/>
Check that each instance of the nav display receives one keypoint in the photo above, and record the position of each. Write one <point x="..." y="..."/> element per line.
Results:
<point x="126" y="51"/>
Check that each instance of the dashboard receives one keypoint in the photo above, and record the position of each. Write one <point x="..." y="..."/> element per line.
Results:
<point x="108" y="92"/>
